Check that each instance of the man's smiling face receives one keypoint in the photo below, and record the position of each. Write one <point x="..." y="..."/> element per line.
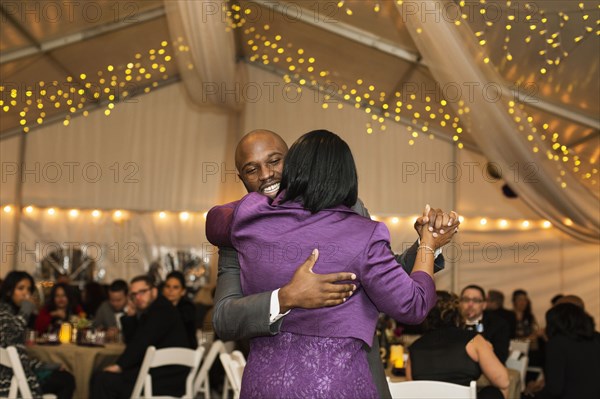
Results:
<point x="259" y="160"/>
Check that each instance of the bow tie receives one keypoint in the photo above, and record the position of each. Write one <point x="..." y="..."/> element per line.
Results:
<point x="475" y="327"/>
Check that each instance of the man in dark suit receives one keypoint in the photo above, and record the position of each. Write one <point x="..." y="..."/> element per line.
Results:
<point x="495" y="305"/>
<point x="259" y="161"/>
<point x="150" y="320"/>
<point x="492" y="327"/>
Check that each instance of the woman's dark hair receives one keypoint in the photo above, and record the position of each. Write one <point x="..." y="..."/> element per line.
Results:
<point x="319" y="170"/>
<point x="569" y="320"/>
<point x="527" y="313"/>
<point x="445" y="313"/>
<point x="10" y="283"/>
<point x="177" y="275"/>
<point x="94" y="294"/>
<point x="70" y="297"/>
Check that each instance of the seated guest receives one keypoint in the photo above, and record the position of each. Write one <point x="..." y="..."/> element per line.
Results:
<point x="174" y="290"/>
<point x="526" y="327"/>
<point x="92" y="297"/>
<point x="572" y="355"/>
<point x="106" y="315"/>
<point x="493" y="328"/>
<point x="555" y="299"/>
<point x="61" y="305"/>
<point x="448" y="353"/>
<point x="150" y="320"/>
<point x="495" y="305"/>
<point x="15" y="309"/>
<point x="574" y="299"/>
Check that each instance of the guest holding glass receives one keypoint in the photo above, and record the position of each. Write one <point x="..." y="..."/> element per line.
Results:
<point x="61" y="305"/>
<point x="15" y="308"/>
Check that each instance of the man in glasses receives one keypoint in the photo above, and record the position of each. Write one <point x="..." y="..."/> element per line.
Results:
<point x="150" y="320"/>
<point x="493" y="328"/>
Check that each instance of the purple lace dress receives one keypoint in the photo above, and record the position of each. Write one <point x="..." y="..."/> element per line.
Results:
<point x="300" y="366"/>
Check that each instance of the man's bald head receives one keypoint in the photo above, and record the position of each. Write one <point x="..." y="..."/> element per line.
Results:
<point x="259" y="161"/>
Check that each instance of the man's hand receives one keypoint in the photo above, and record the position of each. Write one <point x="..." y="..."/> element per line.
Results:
<point x="130" y="309"/>
<point x="113" y="368"/>
<point x="442" y="225"/>
<point x="309" y="290"/>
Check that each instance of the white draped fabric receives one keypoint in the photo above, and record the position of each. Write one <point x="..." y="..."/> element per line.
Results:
<point x="454" y="57"/>
<point x="206" y="51"/>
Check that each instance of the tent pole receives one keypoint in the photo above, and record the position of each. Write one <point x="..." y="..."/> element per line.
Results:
<point x="454" y="202"/>
<point x="19" y="200"/>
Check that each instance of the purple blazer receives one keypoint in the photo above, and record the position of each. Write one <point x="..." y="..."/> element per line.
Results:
<point x="274" y="238"/>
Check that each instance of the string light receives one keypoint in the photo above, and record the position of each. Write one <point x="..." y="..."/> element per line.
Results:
<point x="183" y="216"/>
<point x="72" y="96"/>
<point x="394" y="220"/>
<point x="380" y="106"/>
<point x="556" y="46"/>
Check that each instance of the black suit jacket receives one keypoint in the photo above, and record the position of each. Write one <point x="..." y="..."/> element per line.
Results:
<point x="160" y="326"/>
<point x="510" y="318"/>
<point x="496" y="330"/>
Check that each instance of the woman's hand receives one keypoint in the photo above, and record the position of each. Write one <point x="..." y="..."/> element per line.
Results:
<point x="441" y="225"/>
<point x="113" y="368"/>
<point x="59" y="313"/>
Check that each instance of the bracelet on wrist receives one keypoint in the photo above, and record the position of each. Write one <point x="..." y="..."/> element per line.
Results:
<point x="427" y="247"/>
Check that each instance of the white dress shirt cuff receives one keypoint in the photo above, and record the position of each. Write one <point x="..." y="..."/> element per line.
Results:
<point x="274" y="314"/>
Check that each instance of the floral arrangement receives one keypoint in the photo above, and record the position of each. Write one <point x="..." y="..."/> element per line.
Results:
<point x="80" y="321"/>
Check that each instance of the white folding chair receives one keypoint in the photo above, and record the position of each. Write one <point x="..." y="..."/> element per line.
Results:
<point x="518" y="361"/>
<point x="167" y="357"/>
<point x="519" y="345"/>
<point x="9" y="357"/>
<point x="239" y="357"/>
<point x="432" y="390"/>
<point x="202" y="383"/>
<point x="234" y="364"/>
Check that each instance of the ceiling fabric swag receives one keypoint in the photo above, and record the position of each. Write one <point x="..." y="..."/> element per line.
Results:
<point x="454" y="58"/>
<point x="205" y="49"/>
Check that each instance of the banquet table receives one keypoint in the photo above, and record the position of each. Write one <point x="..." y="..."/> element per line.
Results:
<point x="81" y="361"/>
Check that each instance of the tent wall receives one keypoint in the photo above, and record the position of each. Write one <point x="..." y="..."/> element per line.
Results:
<point x="9" y="159"/>
<point x="184" y="158"/>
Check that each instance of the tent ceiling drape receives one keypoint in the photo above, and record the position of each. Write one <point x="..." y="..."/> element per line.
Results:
<point x="550" y="188"/>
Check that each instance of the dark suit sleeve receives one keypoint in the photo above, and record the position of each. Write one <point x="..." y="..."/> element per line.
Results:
<point x="407" y="258"/>
<point x="554" y="372"/>
<point x="499" y="337"/>
<point x="237" y="316"/>
<point x="159" y="323"/>
<point x="128" y="327"/>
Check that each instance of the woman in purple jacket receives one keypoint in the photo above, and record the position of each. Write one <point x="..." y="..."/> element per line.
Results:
<point x="319" y="351"/>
